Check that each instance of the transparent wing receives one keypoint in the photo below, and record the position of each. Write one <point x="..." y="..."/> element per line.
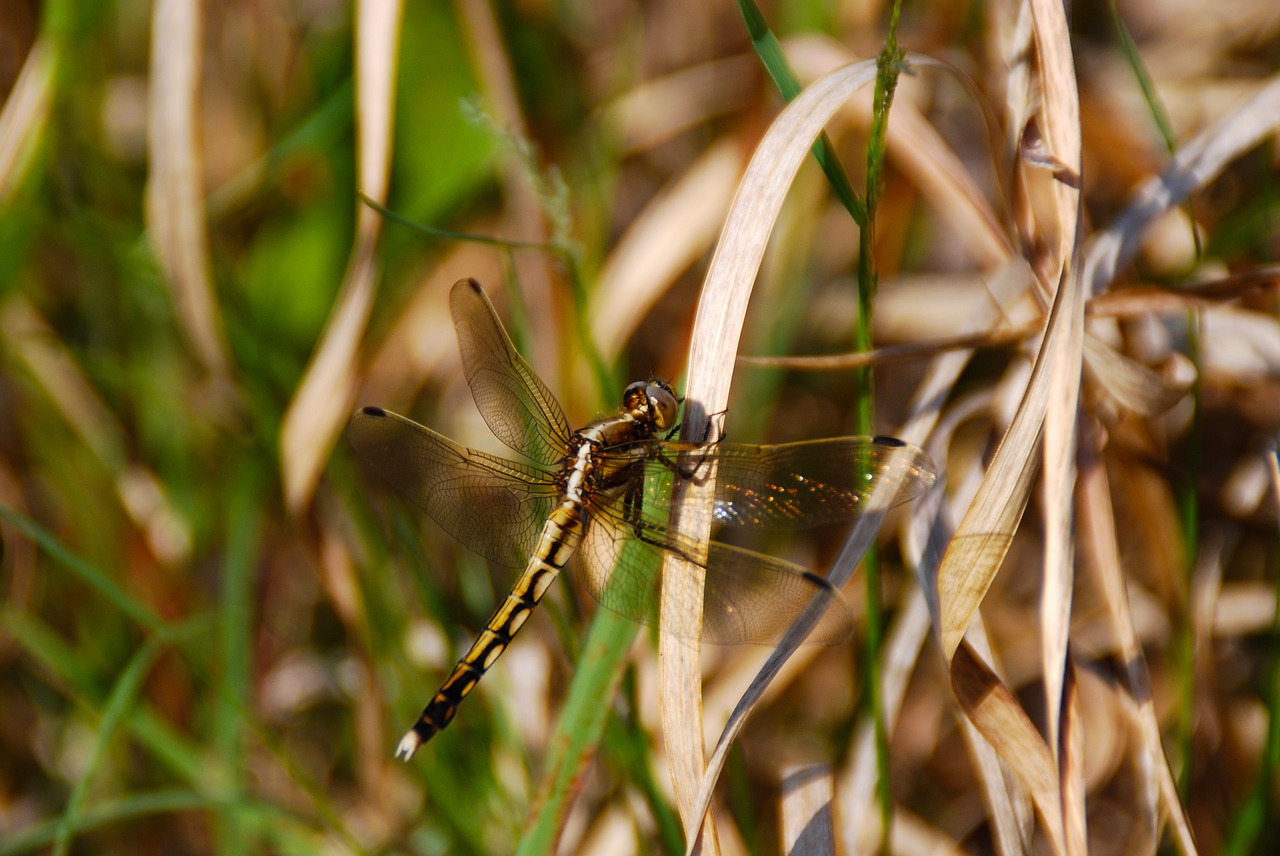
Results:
<point x="515" y="403"/>
<point x="749" y="597"/>
<point x="495" y="507"/>
<point x="787" y="486"/>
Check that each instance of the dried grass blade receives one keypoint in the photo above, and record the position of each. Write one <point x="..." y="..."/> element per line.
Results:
<point x="806" y="812"/>
<point x="1011" y="816"/>
<point x="1007" y="800"/>
<point x="925" y="540"/>
<point x="1133" y="385"/>
<point x="24" y="114"/>
<point x="717" y="331"/>
<point x="319" y="408"/>
<point x="984" y="535"/>
<point x="1070" y="751"/>
<point x="982" y="540"/>
<point x="997" y="715"/>
<point x="1060" y="121"/>
<point x="1098" y="534"/>
<point x="1198" y="162"/>
<point x="175" y="195"/>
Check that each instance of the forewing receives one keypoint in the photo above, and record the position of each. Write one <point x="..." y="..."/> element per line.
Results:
<point x="513" y="400"/>
<point x="495" y="507"/>
<point x="749" y="597"/>
<point x="791" y="485"/>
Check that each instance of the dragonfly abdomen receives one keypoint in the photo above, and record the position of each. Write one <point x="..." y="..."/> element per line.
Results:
<point x="560" y="537"/>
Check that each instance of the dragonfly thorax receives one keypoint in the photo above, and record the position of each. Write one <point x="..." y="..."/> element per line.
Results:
<point x="651" y="405"/>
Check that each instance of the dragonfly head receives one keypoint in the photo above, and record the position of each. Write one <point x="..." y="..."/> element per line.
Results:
<point x="651" y="403"/>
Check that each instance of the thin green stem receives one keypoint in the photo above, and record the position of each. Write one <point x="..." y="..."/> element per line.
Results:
<point x="888" y="67"/>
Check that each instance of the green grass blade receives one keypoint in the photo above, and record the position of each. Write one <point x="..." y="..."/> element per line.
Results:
<point x="175" y="752"/>
<point x="578" y="731"/>
<point x="95" y="577"/>
<point x="119" y="703"/>
<point x="235" y="649"/>
<point x="42" y="835"/>
<point x="775" y="63"/>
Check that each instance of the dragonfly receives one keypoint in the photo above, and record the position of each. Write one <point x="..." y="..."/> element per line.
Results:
<point x="604" y="494"/>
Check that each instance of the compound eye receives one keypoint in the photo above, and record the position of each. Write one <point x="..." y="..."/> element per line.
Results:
<point x="662" y="405"/>
<point x="637" y="390"/>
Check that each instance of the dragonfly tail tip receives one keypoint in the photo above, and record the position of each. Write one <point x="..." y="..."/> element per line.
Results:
<point x="408" y="745"/>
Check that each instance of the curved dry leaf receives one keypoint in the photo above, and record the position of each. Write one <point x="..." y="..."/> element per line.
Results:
<point x="1098" y="539"/>
<point x="1010" y="805"/>
<point x="319" y="408"/>
<point x="1197" y="163"/>
<point x="1133" y="385"/>
<point x="1000" y="719"/>
<point x="175" y="196"/>
<point x="1059" y="120"/>
<point x="717" y="331"/>
<point x="1047" y="411"/>
<point x="805" y="812"/>
<point x="25" y="112"/>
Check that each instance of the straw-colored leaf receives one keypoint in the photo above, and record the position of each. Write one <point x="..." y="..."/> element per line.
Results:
<point x="175" y="192"/>
<point x="714" y="346"/>
<point x="1059" y="120"/>
<point x="1098" y="534"/>
<point x="319" y="409"/>
<point x="25" y="112"/>
<point x="1133" y="385"/>
<point x="1007" y="798"/>
<point x="806" y="828"/>
<point x="998" y="716"/>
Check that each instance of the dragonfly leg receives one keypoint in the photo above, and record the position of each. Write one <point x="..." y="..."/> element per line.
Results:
<point x="706" y="432"/>
<point x="688" y="473"/>
<point x="632" y="501"/>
